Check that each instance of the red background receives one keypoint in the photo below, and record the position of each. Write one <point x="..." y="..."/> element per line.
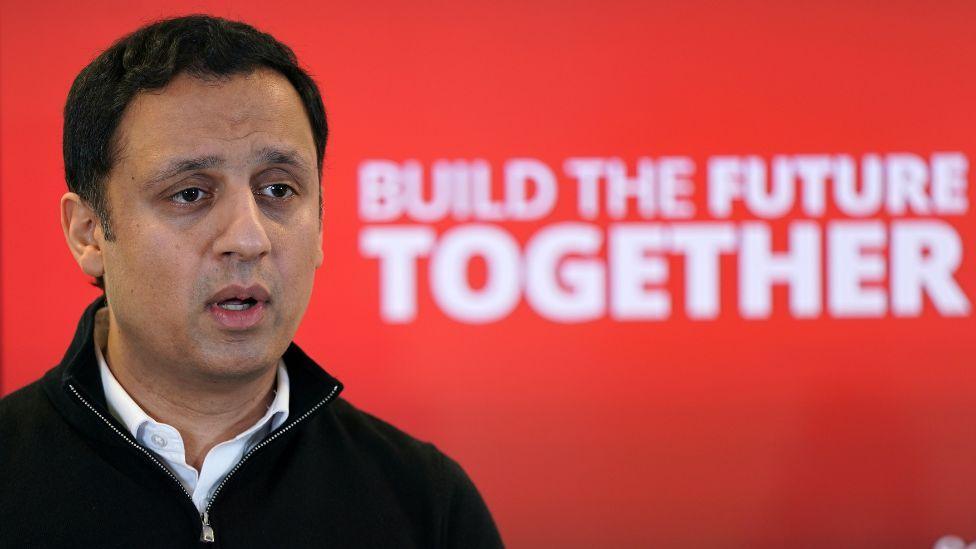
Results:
<point x="729" y="433"/>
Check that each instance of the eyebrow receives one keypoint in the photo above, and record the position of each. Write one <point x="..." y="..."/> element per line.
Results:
<point x="265" y="156"/>
<point x="181" y="165"/>
<point x="271" y="155"/>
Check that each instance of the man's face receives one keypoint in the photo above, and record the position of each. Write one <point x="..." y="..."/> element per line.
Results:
<point x="213" y="201"/>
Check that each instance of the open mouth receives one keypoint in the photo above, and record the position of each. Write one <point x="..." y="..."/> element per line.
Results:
<point x="237" y="304"/>
<point x="239" y="308"/>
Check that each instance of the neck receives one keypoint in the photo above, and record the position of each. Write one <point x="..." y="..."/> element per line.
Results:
<point x="205" y="411"/>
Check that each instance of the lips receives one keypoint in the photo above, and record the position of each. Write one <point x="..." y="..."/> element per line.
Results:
<point x="254" y="292"/>
<point x="238" y="307"/>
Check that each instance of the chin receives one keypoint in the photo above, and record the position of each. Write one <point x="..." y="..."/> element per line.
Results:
<point x="240" y="361"/>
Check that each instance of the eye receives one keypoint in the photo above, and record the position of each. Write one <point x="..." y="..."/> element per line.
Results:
<point x="277" y="190"/>
<point x="188" y="196"/>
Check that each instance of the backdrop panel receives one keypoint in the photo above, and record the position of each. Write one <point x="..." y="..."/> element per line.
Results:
<point x="657" y="274"/>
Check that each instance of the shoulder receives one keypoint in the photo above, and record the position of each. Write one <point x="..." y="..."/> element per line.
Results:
<point x="422" y="471"/>
<point x="30" y="427"/>
<point x="369" y="433"/>
<point x="362" y="424"/>
<point x="371" y="441"/>
<point x="24" y="410"/>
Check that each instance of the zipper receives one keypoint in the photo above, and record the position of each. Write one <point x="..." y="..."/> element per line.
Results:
<point x="206" y="530"/>
<point x="133" y="443"/>
<point x="207" y="534"/>
<point x="262" y="444"/>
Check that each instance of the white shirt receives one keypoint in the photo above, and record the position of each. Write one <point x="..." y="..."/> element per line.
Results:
<point x="166" y="442"/>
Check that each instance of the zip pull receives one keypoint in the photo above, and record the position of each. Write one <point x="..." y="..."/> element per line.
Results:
<point x="207" y="535"/>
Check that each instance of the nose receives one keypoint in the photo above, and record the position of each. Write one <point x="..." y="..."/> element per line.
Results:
<point x="243" y="235"/>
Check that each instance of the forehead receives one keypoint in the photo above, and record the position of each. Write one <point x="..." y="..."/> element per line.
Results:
<point x="232" y="117"/>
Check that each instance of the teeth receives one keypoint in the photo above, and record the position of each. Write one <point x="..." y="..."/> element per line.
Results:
<point x="234" y="306"/>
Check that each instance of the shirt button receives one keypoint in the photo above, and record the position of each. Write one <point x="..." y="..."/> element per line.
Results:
<point x="158" y="440"/>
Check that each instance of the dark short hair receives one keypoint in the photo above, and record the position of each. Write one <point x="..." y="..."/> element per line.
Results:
<point x="148" y="59"/>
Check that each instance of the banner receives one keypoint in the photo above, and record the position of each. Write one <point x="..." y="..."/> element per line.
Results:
<point x="655" y="274"/>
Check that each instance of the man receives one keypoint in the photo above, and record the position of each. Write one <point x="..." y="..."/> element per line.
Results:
<point x="181" y="412"/>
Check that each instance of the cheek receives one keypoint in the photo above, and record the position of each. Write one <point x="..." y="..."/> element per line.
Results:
<point x="152" y="265"/>
<point x="299" y="264"/>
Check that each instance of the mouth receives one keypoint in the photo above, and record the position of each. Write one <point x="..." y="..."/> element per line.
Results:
<point x="238" y="308"/>
<point x="237" y="304"/>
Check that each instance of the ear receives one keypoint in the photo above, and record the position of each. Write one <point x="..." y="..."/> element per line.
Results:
<point x="318" y="248"/>
<point x="83" y="231"/>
